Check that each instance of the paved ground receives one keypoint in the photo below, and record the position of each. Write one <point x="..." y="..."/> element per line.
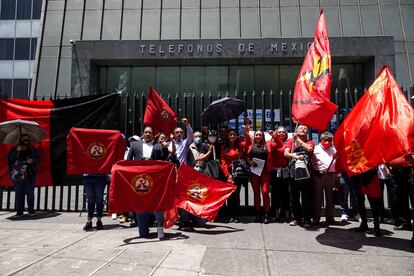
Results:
<point x="55" y="244"/>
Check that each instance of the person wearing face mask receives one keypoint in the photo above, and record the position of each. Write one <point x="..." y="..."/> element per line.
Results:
<point x="23" y="160"/>
<point x="323" y="176"/>
<point x="198" y="150"/>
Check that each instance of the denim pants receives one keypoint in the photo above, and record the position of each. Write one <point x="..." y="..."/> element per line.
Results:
<point x="347" y="189"/>
<point x="21" y="189"/>
<point x="95" y="187"/>
<point x="143" y="221"/>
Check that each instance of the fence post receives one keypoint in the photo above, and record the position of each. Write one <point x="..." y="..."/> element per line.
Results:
<point x="254" y="109"/>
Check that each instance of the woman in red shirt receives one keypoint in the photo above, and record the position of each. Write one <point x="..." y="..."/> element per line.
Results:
<point x="262" y="150"/>
<point x="234" y="149"/>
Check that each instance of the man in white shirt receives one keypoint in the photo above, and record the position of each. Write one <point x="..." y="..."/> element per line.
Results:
<point x="323" y="165"/>
<point x="141" y="150"/>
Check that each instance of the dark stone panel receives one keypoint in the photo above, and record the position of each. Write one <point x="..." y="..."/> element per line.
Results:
<point x="87" y="56"/>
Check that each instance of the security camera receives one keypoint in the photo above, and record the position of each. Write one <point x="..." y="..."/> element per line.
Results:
<point x="72" y="41"/>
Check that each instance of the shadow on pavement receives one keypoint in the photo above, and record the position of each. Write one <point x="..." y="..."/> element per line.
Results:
<point x="152" y="237"/>
<point x="350" y="240"/>
<point x="36" y="216"/>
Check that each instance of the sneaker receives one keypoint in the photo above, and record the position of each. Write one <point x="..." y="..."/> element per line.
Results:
<point x="99" y="225"/>
<point x="114" y="216"/>
<point x="18" y="215"/>
<point x="32" y="213"/>
<point x="344" y="218"/>
<point x="358" y="218"/>
<point x="293" y="223"/>
<point x="88" y="226"/>
<point x="160" y="233"/>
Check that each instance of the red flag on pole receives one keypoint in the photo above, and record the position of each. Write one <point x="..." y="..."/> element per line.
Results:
<point x="93" y="150"/>
<point x="158" y="114"/>
<point x="311" y="105"/>
<point x="142" y="186"/>
<point x="200" y="194"/>
<point x="379" y="128"/>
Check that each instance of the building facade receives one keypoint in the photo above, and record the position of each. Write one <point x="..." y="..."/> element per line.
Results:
<point x="19" y="30"/>
<point x="210" y="46"/>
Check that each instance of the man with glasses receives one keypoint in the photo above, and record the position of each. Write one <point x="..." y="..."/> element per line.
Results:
<point x="183" y="144"/>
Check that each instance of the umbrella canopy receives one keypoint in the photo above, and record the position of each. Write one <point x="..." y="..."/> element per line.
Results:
<point x="223" y="110"/>
<point x="10" y="131"/>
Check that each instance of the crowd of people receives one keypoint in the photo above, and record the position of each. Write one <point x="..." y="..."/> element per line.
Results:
<point x="292" y="177"/>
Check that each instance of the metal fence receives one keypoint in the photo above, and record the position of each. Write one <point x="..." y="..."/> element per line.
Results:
<point x="190" y="105"/>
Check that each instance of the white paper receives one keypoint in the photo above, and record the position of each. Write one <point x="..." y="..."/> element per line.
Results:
<point x="257" y="170"/>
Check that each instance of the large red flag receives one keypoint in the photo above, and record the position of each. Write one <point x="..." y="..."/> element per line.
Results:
<point x="200" y="194"/>
<point x="93" y="150"/>
<point x="142" y="186"/>
<point x="379" y="128"/>
<point x="311" y="105"/>
<point x="158" y="114"/>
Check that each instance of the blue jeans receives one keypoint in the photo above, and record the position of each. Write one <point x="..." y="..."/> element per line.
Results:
<point x="95" y="187"/>
<point x="347" y="189"/>
<point x="21" y="189"/>
<point x="143" y="221"/>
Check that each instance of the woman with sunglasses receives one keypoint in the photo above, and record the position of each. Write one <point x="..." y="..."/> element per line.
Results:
<point x="262" y="150"/>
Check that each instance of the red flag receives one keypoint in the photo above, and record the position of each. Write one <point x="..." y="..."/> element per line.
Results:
<point x="158" y="114"/>
<point x="200" y="194"/>
<point x="142" y="186"/>
<point x="311" y="105"/>
<point x="93" y="150"/>
<point x="379" y="128"/>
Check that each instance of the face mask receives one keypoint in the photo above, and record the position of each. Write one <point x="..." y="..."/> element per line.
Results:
<point x="197" y="140"/>
<point x="212" y="139"/>
<point x="25" y="142"/>
<point x="199" y="169"/>
<point x="326" y="144"/>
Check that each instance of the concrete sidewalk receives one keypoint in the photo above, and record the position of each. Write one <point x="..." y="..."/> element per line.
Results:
<point x="55" y="244"/>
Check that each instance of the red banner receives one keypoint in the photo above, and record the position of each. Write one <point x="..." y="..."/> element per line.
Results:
<point x="158" y="114"/>
<point x="142" y="186"/>
<point x="38" y="111"/>
<point x="379" y="128"/>
<point x="311" y="104"/>
<point x="93" y="151"/>
<point x="200" y="194"/>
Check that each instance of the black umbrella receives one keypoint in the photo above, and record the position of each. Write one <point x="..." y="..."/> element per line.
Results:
<point x="223" y="110"/>
<point x="10" y="131"/>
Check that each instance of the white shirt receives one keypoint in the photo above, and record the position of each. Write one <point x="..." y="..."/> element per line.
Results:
<point x="383" y="172"/>
<point x="147" y="149"/>
<point x="322" y="157"/>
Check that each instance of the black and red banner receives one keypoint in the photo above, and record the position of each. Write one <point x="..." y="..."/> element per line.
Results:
<point x="57" y="117"/>
<point x="93" y="151"/>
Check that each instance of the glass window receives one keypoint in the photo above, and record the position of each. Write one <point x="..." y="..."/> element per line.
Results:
<point x="309" y="18"/>
<point x="350" y="21"/>
<point x="37" y="8"/>
<point x="6" y="49"/>
<point x="270" y="22"/>
<point x="190" y="25"/>
<point x="142" y="78"/>
<point x="391" y="25"/>
<point x="192" y="79"/>
<point x="167" y="80"/>
<point x="216" y="79"/>
<point x="370" y="20"/>
<point x="111" y="24"/>
<point x="408" y="15"/>
<point x="151" y="24"/>
<point x="72" y="26"/>
<point x="53" y="28"/>
<point x="170" y="29"/>
<point x="92" y="25"/>
<point x="22" y="49"/>
<point x="5" y="88"/>
<point x="102" y="79"/>
<point x="130" y="25"/>
<point x="118" y="79"/>
<point x="33" y="49"/>
<point x="21" y="88"/>
<point x="210" y="23"/>
<point x="230" y="21"/>
<point x="24" y="9"/>
<point x="290" y="22"/>
<point x="249" y="22"/>
<point x="8" y="9"/>
<point x="241" y="78"/>
<point x="332" y="21"/>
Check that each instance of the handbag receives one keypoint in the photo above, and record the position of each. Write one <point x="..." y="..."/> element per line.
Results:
<point x="18" y="171"/>
<point x="240" y="169"/>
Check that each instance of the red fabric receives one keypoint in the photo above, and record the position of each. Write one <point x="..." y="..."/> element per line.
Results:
<point x="38" y="111"/>
<point x="109" y="147"/>
<point x="274" y="159"/>
<point x="262" y="183"/>
<point x="200" y="194"/>
<point x="158" y="114"/>
<point x="401" y="162"/>
<point x="373" y="189"/>
<point x="156" y="193"/>
<point x="311" y="105"/>
<point x="233" y="153"/>
<point x="379" y="128"/>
